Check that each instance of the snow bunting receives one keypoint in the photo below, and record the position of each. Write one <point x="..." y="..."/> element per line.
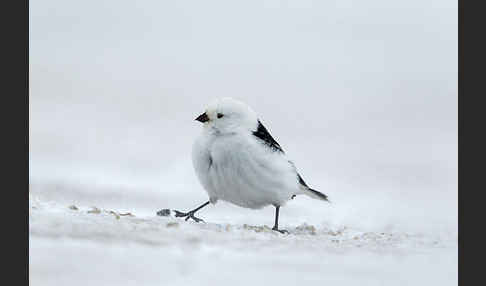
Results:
<point x="238" y="161"/>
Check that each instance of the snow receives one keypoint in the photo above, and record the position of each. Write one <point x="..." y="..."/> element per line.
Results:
<point x="88" y="245"/>
<point x="373" y="233"/>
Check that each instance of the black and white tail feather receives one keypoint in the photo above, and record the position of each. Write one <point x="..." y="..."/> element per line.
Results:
<point x="311" y="192"/>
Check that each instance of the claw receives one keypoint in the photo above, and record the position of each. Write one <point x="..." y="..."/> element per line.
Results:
<point x="196" y="219"/>
<point x="282" y="231"/>
<point x="188" y="215"/>
<point x="179" y="214"/>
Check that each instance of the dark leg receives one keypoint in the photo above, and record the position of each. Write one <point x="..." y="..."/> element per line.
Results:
<point x="190" y="214"/>
<point x="275" y="227"/>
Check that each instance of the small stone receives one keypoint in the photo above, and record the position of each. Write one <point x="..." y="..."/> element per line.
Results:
<point x="115" y="214"/>
<point x="164" y="212"/>
<point x="73" y="207"/>
<point x="312" y="230"/>
<point x="126" y="214"/>
<point x="94" y="210"/>
<point x="172" y="224"/>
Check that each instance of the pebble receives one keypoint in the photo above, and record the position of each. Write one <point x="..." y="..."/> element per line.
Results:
<point x="164" y="212"/>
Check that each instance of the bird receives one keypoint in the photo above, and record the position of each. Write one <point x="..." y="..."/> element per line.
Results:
<point x="237" y="160"/>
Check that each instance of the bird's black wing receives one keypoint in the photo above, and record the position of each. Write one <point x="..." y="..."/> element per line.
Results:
<point x="263" y="134"/>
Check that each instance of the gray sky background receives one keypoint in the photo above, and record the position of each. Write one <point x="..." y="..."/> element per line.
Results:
<point x="361" y="94"/>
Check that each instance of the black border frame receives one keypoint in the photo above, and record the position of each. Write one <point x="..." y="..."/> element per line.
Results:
<point x="15" y="140"/>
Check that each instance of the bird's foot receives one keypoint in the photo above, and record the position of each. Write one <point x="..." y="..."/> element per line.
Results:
<point x="188" y="215"/>
<point x="280" y="230"/>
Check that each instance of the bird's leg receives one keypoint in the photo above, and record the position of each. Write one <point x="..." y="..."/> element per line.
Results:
<point x="190" y="214"/>
<point x="275" y="227"/>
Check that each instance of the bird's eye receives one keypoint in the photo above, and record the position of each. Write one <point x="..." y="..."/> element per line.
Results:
<point x="220" y="115"/>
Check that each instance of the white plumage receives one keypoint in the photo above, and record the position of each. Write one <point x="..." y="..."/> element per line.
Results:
<point x="237" y="160"/>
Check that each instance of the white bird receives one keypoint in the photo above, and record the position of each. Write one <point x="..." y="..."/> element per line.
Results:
<point x="238" y="161"/>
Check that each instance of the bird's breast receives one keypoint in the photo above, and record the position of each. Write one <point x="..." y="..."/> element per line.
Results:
<point x="243" y="173"/>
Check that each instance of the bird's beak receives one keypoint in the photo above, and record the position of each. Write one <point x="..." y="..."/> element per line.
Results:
<point x="203" y="118"/>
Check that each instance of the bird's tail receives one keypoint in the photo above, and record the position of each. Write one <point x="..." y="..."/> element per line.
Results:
<point x="315" y="194"/>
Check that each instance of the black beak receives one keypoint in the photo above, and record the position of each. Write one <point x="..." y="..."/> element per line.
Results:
<point x="203" y="118"/>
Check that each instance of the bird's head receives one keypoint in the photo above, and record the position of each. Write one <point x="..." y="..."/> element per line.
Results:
<point x="227" y="115"/>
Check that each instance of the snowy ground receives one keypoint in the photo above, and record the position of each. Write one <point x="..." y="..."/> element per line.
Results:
<point x="91" y="245"/>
